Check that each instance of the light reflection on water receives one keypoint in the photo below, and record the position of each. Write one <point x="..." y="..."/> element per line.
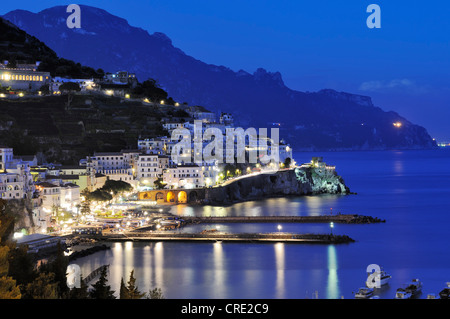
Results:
<point x="396" y="186"/>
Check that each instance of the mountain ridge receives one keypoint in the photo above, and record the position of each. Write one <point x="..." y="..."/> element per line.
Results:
<point x="326" y="119"/>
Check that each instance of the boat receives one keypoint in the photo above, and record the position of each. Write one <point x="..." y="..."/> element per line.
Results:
<point x="401" y="293"/>
<point x="445" y="293"/>
<point x="364" y="293"/>
<point x="411" y="290"/>
<point x="382" y="275"/>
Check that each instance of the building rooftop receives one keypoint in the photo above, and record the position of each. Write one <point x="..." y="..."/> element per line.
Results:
<point x="46" y="184"/>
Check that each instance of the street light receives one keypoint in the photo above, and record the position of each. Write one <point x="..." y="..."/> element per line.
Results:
<point x="279" y="228"/>
<point x="331" y="227"/>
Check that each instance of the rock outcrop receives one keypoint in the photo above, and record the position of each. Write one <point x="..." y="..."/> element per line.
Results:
<point x="292" y="182"/>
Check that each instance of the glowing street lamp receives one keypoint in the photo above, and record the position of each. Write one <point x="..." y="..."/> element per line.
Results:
<point x="331" y="227"/>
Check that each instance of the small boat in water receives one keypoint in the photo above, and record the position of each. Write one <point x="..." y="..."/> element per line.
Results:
<point x="411" y="290"/>
<point x="364" y="293"/>
<point x="381" y="275"/>
<point x="401" y="293"/>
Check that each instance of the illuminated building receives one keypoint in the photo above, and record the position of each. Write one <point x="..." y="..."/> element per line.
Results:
<point x="23" y="78"/>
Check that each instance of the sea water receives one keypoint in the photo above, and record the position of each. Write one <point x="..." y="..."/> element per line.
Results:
<point x="409" y="189"/>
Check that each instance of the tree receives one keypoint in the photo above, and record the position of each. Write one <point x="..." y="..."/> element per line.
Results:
<point x="99" y="195"/>
<point x="69" y="88"/>
<point x="150" y="89"/>
<point x="6" y="221"/>
<point x="85" y="207"/>
<point x="12" y="64"/>
<point x="100" y="289"/>
<point x="155" y="293"/>
<point x="131" y="291"/>
<point x="116" y="187"/>
<point x="21" y="266"/>
<point x="123" y="293"/>
<point x="287" y="162"/>
<point x="9" y="289"/>
<point x="43" y="287"/>
<point x="159" y="183"/>
<point x="44" y="89"/>
<point x="59" y="268"/>
<point x="79" y="293"/>
<point x="4" y="265"/>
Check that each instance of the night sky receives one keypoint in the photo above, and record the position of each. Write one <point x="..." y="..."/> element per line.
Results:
<point x="404" y="66"/>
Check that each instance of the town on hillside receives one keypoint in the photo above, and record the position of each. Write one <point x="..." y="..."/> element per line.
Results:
<point x="103" y="186"/>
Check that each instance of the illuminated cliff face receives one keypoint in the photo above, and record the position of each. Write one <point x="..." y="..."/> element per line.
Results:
<point x="322" y="181"/>
<point x="294" y="182"/>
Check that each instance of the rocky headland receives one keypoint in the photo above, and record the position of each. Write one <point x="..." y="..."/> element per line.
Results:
<point x="304" y="180"/>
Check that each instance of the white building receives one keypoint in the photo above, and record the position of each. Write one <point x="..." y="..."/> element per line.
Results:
<point x="119" y="166"/>
<point x="23" y="77"/>
<point x="184" y="176"/>
<point x="159" y="145"/>
<point x="70" y="197"/>
<point x="50" y="194"/>
<point x="226" y="119"/>
<point x="170" y="126"/>
<point x="285" y="151"/>
<point x="16" y="181"/>
<point x="205" y="117"/>
<point x="85" y="84"/>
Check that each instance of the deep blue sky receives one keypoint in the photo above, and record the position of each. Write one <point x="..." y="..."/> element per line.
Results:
<point x="404" y="66"/>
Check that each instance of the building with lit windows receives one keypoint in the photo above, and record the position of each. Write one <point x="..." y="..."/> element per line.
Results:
<point x="23" y="79"/>
<point x="184" y="176"/>
<point x="16" y="181"/>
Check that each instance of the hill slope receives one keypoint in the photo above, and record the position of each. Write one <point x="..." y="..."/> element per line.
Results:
<point x="320" y="120"/>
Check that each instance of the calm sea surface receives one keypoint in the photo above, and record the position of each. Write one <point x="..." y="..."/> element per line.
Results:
<point x="409" y="189"/>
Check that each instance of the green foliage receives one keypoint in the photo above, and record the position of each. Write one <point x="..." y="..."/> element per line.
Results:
<point x="67" y="68"/>
<point x="103" y="194"/>
<point x="6" y="220"/>
<point x="43" y="287"/>
<point x="9" y="289"/>
<point x="79" y="293"/>
<point x="45" y="89"/>
<point x="4" y="265"/>
<point x="287" y="162"/>
<point x="151" y="90"/>
<point x="116" y="187"/>
<point x="99" y="195"/>
<point x="123" y="293"/>
<point x="100" y="289"/>
<point x="155" y="293"/>
<point x="70" y="87"/>
<point x="159" y="184"/>
<point x="22" y="267"/>
<point x="131" y="291"/>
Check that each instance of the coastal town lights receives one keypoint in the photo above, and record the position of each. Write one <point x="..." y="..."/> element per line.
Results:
<point x="397" y="124"/>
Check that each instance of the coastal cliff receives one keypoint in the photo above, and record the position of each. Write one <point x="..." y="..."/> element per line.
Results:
<point x="299" y="181"/>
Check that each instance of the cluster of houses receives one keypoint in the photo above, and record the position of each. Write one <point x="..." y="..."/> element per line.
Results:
<point x="50" y="187"/>
<point x="26" y="77"/>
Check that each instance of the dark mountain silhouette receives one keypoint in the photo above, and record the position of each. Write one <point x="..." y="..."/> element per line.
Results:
<point x="319" y="120"/>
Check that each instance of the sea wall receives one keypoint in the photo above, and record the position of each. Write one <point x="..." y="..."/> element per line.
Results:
<point x="293" y="182"/>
